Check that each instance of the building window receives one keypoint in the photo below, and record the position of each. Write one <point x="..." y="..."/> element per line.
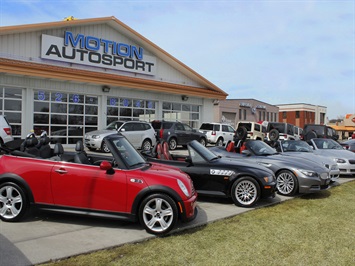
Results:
<point x="260" y="116"/>
<point x="186" y="113"/>
<point x="297" y="114"/>
<point x="284" y="115"/>
<point x="245" y="114"/>
<point x="11" y="107"/>
<point x="65" y="117"/>
<point x="240" y="114"/>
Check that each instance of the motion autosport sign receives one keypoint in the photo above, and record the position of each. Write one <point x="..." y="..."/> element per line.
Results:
<point x="98" y="52"/>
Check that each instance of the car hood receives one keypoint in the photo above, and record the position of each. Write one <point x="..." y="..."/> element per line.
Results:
<point x="102" y="132"/>
<point x="344" y="154"/>
<point x="310" y="156"/>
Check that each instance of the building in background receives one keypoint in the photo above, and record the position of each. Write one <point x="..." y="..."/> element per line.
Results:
<point x="78" y="75"/>
<point x="232" y="111"/>
<point x="300" y="114"/>
<point x="345" y="128"/>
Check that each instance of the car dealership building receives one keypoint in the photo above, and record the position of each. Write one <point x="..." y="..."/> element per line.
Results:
<point x="72" y="77"/>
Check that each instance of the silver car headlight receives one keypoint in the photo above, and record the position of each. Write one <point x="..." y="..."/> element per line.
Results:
<point x="339" y="160"/>
<point x="183" y="188"/>
<point x="308" y="173"/>
<point x="95" y="136"/>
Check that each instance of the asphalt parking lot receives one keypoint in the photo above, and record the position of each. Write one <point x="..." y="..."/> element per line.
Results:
<point x="45" y="236"/>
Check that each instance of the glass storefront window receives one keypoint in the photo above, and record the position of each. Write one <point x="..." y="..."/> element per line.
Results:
<point x="186" y="113"/>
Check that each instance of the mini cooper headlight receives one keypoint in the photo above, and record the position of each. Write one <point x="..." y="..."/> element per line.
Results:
<point x="183" y="188"/>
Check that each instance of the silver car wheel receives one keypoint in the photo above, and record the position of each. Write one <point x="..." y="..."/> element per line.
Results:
<point x="147" y="145"/>
<point x="11" y="202"/>
<point x="246" y="192"/>
<point x="104" y="147"/>
<point x="158" y="215"/>
<point x="286" y="183"/>
<point x="172" y="144"/>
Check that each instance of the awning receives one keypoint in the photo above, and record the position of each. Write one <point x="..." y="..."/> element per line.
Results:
<point x="343" y="128"/>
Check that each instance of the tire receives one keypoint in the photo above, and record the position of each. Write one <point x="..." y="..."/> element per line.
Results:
<point x="158" y="214"/>
<point x="245" y="192"/>
<point x="104" y="147"/>
<point x="219" y="142"/>
<point x="13" y="202"/>
<point x="310" y="135"/>
<point x="242" y="133"/>
<point x="274" y="134"/>
<point x="203" y="141"/>
<point x="172" y="144"/>
<point x="146" y="145"/>
<point x="286" y="183"/>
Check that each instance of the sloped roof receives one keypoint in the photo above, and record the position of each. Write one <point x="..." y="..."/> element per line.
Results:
<point x="210" y="90"/>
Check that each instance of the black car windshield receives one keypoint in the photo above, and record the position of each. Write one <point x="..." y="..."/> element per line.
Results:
<point x="260" y="148"/>
<point x="295" y="145"/>
<point x="327" y="144"/>
<point x="199" y="153"/>
<point x="128" y="153"/>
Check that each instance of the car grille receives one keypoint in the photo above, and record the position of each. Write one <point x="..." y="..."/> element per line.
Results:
<point x="324" y="175"/>
<point x="352" y="161"/>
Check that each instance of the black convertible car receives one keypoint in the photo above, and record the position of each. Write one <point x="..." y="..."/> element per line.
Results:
<point x="212" y="175"/>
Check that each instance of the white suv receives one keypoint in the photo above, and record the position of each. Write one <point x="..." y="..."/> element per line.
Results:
<point x="217" y="133"/>
<point x="140" y="134"/>
<point x="5" y="131"/>
<point x="255" y="130"/>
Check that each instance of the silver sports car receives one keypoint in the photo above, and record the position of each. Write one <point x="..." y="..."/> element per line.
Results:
<point x="301" y="149"/>
<point x="344" y="158"/>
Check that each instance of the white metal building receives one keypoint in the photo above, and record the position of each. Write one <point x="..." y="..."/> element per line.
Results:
<point x="71" y="77"/>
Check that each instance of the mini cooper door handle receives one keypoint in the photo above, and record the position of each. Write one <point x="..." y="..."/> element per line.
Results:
<point x="61" y="171"/>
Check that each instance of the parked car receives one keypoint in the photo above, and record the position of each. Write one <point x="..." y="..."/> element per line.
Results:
<point x="300" y="149"/>
<point x="254" y="130"/>
<point x="293" y="175"/>
<point x="177" y="133"/>
<point x="5" y="131"/>
<point x="329" y="147"/>
<point x="213" y="176"/>
<point x="217" y="133"/>
<point x="140" y="134"/>
<point x="280" y="131"/>
<point x="311" y="131"/>
<point x="349" y="145"/>
<point x="122" y="186"/>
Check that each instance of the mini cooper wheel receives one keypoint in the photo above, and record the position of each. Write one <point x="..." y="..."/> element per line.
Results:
<point x="245" y="192"/>
<point x="104" y="147"/>
<point x="146" y="145"/>
<point x="158" y="214"/>
<point x="286" y="183"/>
<point x="13" y="202"/>
<point x="172" y="144"/>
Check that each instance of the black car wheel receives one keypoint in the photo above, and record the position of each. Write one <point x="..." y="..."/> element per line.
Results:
<point x="219" y="142"/>
<point x="146" y="145"/>
<point x="203" y="141"/>
<point x="172" y="144"/>
<point x="245" y="192"/>
<point x="13" y="202"/>
<point x="158" y="214"/>
<point x="274" y="134"/>
<point x="104" y="147"/>
<point x="286" y="183"/>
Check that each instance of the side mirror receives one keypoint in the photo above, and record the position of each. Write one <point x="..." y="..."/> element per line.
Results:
<point x="107" y="166"/>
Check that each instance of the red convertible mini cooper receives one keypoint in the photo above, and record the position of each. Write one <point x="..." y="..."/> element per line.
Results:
<point x="122" y="186"/>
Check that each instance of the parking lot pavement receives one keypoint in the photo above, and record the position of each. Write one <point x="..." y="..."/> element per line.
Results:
<point x="44" y="237"/>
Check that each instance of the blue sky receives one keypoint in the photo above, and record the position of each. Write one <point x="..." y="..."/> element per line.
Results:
<point x="275" y="51"/>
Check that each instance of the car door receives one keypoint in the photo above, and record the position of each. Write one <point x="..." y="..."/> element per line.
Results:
<point x="132" y="133"/>
<point x="228" y="133"/>
<point x="180" y="133"/>
<point x="89" y="187"/>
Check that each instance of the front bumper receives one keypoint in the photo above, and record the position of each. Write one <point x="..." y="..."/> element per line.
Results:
<point x="346" y="168"/>
<point x="93" y="143"/>
<point x="187" y="209"/>
<point x="314" y="184"/>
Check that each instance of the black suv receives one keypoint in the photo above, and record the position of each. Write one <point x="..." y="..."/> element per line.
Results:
<point x="177" y="133"/>
<point x="311" y="131"/>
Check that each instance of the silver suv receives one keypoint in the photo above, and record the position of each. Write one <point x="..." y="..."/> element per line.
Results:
<point x="140" y="134"/>
<point x="5" y="131"/>
<point x="217" y="133"/>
